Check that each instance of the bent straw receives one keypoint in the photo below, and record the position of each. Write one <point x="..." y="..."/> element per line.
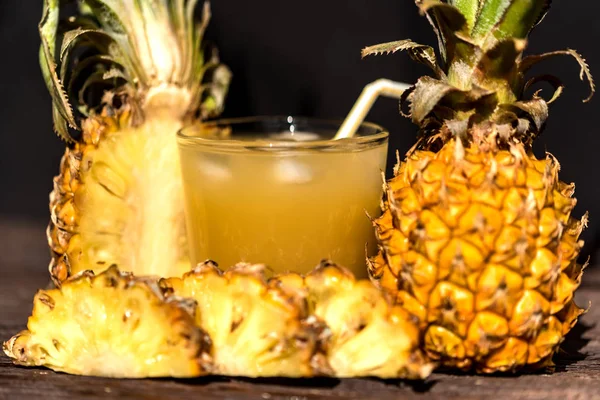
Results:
<point x="380" y="87"/>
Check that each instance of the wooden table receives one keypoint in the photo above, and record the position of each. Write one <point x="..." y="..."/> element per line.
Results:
<point x="23" y="259"/>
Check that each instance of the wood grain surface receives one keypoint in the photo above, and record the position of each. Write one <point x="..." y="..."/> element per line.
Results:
<point x="23" y="260"/>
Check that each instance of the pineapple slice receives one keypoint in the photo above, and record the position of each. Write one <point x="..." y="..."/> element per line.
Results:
<point x="364" y="334"/>
<point x="256" y="330"/>
<point x="234" y="323"/>
<point x="111" y="325"/>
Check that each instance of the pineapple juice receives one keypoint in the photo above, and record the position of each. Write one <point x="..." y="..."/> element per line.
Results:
<point x="286" y="199"/>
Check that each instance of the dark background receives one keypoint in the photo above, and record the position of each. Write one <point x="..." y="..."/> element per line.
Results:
<point x="300" y="58"/>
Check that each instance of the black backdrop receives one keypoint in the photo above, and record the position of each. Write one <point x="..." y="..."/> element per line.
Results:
<point x="300" y="58"/>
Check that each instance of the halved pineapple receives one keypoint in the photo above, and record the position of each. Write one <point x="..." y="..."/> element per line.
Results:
<point x="364" y="334"/>
<point x="135" y="72"/>
<point x="256" y="330"/>
<point x="111" y="325"/>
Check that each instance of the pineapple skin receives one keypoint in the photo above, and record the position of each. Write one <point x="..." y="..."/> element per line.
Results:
<point x="111" y="325"/>
<point x="478" y="244"/>
<point x="62" y="232"/>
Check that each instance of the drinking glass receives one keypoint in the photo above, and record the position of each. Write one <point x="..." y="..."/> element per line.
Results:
<point x="280" y="191"/>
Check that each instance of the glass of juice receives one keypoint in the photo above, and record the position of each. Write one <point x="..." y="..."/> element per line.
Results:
<point x="280" y="191"/>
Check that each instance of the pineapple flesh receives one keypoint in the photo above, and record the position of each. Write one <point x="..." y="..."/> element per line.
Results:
<point x="135" y="72"/>
<point x="362" y="332"/>
<point x="111" y="325"/>
<point x="256" y="330"/>
<point x="323" y="324"/>
<point x="476" y="238"/>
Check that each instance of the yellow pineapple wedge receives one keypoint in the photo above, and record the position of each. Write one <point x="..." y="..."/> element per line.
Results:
<point x="363" y="333"/>
<point x="256" y="330"/>
<point x="128" y="75"/>
<point x="111" y="325"/>
<point x="476" y="238"/>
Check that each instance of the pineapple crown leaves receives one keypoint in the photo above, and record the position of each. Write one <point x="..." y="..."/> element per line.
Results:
<point x="482" y="70"/>
<point x="134" y="48"/>
<point x="62" y="113"/>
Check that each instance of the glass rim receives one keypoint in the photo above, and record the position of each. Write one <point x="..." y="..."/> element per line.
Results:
<point x="379" y="133"/>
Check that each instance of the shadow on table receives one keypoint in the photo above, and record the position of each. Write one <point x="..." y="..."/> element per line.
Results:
<point x="570" y="351"/>
<point x="290" y="384"/>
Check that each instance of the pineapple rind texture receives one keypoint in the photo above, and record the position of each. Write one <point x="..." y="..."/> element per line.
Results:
<point x="111" y="325"/>
<point x="480" y="247"/>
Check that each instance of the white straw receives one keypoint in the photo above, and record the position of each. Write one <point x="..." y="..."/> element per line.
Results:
<point x="381" y="87"/>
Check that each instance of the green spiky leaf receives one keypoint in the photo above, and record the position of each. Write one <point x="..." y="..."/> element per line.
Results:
<point x="496" y="69"/>
<point x="71" y="37"/>
<point x="536" y="109"/>
<point x="552" y="80"/>
<point x="452" y="30"/>
<point x="468" y="8"/>
<point x="447" y="15"/>
<point x="107" y="12"/>
<point x="584" y="73"/>
<point x="519" y="18"/>
<point x="94" y="37"/>
<point x="490" y="15"/>
<point x="62" y="112"/>
<point x="427" y="94"/>
<point x="418" y="52"/>
<point x="499" y="61"/>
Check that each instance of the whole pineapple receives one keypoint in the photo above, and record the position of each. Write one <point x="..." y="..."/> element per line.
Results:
<point x="136" y="72"/>
<point x="476" y="238"/>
